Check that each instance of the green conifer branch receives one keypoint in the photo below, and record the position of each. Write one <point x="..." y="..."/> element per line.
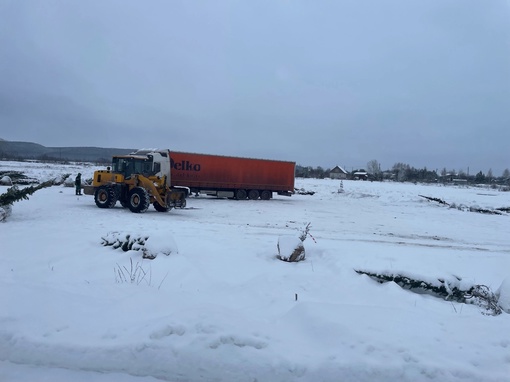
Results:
<point x="14" y="194"/>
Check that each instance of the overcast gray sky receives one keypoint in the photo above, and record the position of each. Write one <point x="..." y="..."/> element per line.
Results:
<point x="424" y="82"/>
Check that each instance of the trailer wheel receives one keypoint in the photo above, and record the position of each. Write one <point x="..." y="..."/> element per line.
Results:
<point x="105" y="197"/>
<point x="138" y="200"/>
<point x="253" y="194"/>
<point x="265" y="195"/>
<point x="241" y="194"/>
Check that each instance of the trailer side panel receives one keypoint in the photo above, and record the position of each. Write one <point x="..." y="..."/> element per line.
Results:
<point x="203" y="171"/>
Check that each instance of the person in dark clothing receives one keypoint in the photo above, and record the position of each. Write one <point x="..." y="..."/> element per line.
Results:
<point x="77" y="183"/>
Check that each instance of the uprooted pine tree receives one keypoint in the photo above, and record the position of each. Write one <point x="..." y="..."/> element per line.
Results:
<point x="450" y="290"/>
<point x="14" y="194"/>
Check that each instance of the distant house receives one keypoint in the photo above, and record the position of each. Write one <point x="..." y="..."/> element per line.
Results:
<point x="389" y="175"/>
<point x="360" y="175"/>
<point x="447" y="177"/>
<point x="338" y="173"/>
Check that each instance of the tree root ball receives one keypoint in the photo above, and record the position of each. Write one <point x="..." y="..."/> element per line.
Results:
<point x="290" y="248"/>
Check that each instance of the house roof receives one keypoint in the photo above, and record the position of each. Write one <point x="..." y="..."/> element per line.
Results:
<point x="338" y="169"/>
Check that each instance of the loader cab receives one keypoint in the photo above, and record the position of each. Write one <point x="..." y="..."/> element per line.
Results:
<point x="145" y="162"/>
<point x="129" y="165"/>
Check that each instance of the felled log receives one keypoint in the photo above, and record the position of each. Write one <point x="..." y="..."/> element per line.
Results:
<point x="479" y="295"/>
<point x="441" y="201"/>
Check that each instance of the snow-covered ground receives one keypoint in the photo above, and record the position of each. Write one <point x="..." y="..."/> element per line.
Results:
<point x="221" y="307"/>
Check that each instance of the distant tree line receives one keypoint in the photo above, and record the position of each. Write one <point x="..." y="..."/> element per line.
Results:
<point x="14" y="156"/>
<point x="312" y="172"/>
<point x="403" y="172"/>
<point x="45" y="158"/>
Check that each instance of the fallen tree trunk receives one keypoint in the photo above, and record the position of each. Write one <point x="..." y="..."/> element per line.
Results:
<point x="497" y="211"/>
<point x="485" y="211"/>
<point x="443" y="290"/>
<point x="441" y="201"/>
<point x="479" y="295"/>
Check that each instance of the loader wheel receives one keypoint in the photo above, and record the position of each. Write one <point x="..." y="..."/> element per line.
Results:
<point x="241" y="194"/>
<point x="253" y="195"/>
<point x="158" y="207"/>
<point x="138" y="200"/>
<point x="105" y="197"/>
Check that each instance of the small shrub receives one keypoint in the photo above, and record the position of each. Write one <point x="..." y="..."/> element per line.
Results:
<point x="134" y="275"/>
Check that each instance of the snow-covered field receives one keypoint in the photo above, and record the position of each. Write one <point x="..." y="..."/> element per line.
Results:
<point x="221" y="307"/>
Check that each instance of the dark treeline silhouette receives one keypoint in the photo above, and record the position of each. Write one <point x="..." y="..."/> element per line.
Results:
<point x="402" y="172"/>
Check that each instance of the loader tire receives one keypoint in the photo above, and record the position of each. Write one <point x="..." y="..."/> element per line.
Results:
<point x="158" y="207"/>
<point x="138" y="200"/>
<point x="105" y="197"/>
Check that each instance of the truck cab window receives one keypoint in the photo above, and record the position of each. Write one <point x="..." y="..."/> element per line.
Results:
<point x="147" y="168"/>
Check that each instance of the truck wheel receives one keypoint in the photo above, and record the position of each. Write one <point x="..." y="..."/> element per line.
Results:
<point x="265" y="195"/>
<point x="105" y="197"/>
<point x="241" y="194"/>
<point x="253" y="195"/>
<point x="138" y="200"/>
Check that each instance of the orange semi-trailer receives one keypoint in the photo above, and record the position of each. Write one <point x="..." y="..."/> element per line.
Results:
<point x="232" y="177"/>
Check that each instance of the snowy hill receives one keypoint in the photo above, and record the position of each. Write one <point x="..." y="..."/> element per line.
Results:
<point x="29" y="150"/>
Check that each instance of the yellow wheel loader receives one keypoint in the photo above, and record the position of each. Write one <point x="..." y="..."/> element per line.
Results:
<point x="136" y="181"/>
